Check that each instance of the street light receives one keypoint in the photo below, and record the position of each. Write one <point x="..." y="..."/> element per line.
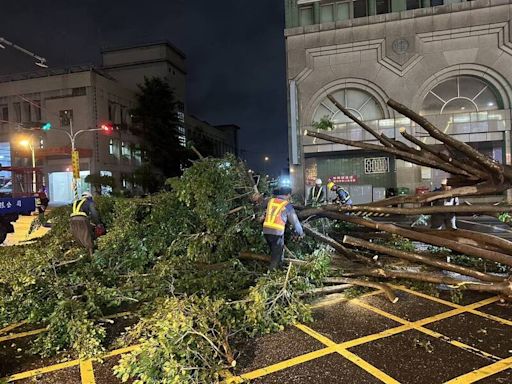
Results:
<point x="267" y="158"/>
<point x="107" y="128"/>
<point x="28" y="144"/>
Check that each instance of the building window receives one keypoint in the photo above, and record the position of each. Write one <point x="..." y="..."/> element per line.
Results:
<point x="326" y="13"/>
<point x="4" y="112"/>
<point x="65" y="117"/>
<point x="376" y="165"/>
<point x="182" y="136"/>
<point x="381" y="6"/>
<point x="412" y="4"/>
<point x="125" y="149"/>
<point x="79" y="91"/>
<point x="17" y="111"/>
<point x="306" y="16"/>
<point x="26" y="112"/>
<point x="360" y="8"/>
<point x="342" y="11"/>
<point x="111" y="147"/>
<point x="360" y="103"/>
<point x="37" y="110"/>
<point x="461" y="94"/>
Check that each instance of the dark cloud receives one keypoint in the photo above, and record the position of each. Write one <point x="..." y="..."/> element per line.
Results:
<point x="235" y="54"/>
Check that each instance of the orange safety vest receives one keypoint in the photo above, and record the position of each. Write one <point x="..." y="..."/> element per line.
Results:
<point x="273" y="216"/>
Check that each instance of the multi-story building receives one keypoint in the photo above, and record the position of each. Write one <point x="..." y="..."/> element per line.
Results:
<point x="449" y="61"/>
<point x="216" y="140"/>
<point x="80" y="99"/>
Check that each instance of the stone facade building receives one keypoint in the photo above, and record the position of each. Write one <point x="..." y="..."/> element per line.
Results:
<point x="451" y="62"/>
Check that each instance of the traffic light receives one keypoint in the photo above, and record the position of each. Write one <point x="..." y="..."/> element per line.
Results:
<point x="107" y="128"/>
<point x="46" y="126"/>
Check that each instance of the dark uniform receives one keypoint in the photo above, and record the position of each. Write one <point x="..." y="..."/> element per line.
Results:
<point x="84" y="213"/>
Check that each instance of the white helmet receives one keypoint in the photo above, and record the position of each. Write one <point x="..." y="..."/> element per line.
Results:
<point x="86" y="194"/>
<point x="318" y="181"/>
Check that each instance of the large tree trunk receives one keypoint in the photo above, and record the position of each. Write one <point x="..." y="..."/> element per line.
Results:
<point x="418" y="236"/>
<point x="504" y="288"/>
<point x="421" y="259"/>
<point x="494" y="167"/>
<point x="413" y="158"/>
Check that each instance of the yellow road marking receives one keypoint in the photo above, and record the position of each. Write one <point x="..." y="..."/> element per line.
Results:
<point x="12" y="326"/>
<point x="324" y="340"/>
<point x="343" y="299"/>
<point x="418" y="326"/>
<point x="87" y="372"/>
<point x="374" y="371"/>
<point x="282" y="365"/>
<point x="472" y="310"/>
<point x="121" y="351"/>
<point x="40" y="371"/>
<point x="425" y="296"/>
<point x="23" y="334"/>
<point x="483" y="372"/>
<point x="366" y="366"/>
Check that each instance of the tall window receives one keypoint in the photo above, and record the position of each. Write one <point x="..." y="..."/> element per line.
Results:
<point x="326" y="13"/>
<point x="125" y="149"/>
<point x="17" y="111"/>
<point x="65" y="117"/>
<point x="359" y="102"/>
<point x="111" y="147"/>
<point x="4" y="112"/>
<point x="461" y="94"/>
<point x="360" y="8"/>
<point x="342" y="11"/>
<point x="306" y="16"/>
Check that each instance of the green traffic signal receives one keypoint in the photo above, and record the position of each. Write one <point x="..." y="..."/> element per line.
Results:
<point x="46" y="126"/>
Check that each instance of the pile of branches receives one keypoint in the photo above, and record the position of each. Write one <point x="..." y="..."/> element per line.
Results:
<point x="472" y="174"/>
<point x="172" y="260"/>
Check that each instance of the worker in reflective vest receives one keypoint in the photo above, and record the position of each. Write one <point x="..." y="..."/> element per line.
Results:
<point x="84" y="213"/>
<point x="342" y="195"/>
<point x="316" y="194"/>
<point x="279" y="211"/>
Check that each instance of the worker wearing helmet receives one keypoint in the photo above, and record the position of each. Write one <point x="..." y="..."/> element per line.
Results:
<point x="84" y="214"/>
<point x="316" y="194"/>
<point x="279" y="211"/>
<point x="342" y="195"/>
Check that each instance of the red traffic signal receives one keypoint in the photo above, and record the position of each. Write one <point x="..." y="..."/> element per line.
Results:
<point x="107" y="128"/>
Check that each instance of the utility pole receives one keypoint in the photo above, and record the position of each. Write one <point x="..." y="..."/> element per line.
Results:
<point x="41" y="61"/>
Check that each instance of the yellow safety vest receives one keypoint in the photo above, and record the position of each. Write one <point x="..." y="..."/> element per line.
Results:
<point x="315" y="198"/>
<point x="273" y="216"/>
<point x="77" y="206"/>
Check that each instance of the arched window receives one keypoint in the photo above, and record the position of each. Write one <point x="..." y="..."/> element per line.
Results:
<point x="360" y="103"/>
<point x="461" y="94"/>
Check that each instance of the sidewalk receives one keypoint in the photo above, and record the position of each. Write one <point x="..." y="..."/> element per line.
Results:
<point x="21" y="228"/>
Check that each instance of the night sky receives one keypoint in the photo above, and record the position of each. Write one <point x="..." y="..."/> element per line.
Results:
<point x="235" y="54"/>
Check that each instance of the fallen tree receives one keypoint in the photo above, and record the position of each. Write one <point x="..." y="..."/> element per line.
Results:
<point x="472" y="174"/>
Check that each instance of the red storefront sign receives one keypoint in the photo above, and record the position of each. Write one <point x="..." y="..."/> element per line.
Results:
<point x="344" y="179"/>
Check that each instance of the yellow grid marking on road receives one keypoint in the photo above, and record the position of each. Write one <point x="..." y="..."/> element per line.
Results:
<point x="437" y="335"/>
<point x="363" y="364"/>
<point x="482" y="303"/>
<point x="366" y="366"/>
<point x="12" y="326"/>
<point x="483" y="372"/>
<point x="87" y="372"/>
<point x="283" y="365"/>
<point x="23" y="334"/>
<point x="343" y="299"/>
<point x="406" y="325"/>
<point x="321" y="338"/>
<point x="40" y="371"/>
